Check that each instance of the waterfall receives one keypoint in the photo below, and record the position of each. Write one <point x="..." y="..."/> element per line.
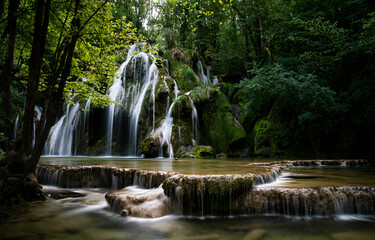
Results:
<point x="38" y="111"/>
<point x="15" y="130"/>
<point x="194" y="120"/>
<point x="136" y="105"/>
<point x="127" y="120"/>
<point x="132" y="82"/>
<point x="166" y="131"/>
<point x="116" y="93"/>
<point x="166" y="127"/>
<point x="202" y="76"/>
<point x="98" y="176"/>
<point x="60" y="139"/>
<point x="311" y="201"/>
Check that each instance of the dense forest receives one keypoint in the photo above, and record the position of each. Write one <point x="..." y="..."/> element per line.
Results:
<point x="299" y="76"/>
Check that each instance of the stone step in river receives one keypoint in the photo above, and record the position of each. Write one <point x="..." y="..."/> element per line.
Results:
<point x="139" y="191"/>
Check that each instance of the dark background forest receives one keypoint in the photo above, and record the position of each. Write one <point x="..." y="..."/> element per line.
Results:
<point x="300" y="75"/>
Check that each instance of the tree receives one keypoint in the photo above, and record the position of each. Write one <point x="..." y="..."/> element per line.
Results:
<point x="294" y="100"/>
<point x="67" y="36"/>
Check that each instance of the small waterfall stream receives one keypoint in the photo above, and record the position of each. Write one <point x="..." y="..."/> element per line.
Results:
<point x="15" y="130"/>
<point x="62" y="134"/>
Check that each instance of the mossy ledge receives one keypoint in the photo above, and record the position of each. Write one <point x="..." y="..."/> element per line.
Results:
<point x="98" y="176"/>
<point x="309" y="201"/>
<point x="213" y="194"/>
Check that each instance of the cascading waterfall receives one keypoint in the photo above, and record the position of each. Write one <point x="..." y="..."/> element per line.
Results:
<point x="136" y="105"/>
<point x="15" y="130"/>
<point x="60" y="140"/>
<point x="38" y="111"/>
<point x="204" y="78"/>
<point x="134" y="91"/>
<point x="117" y="93"/>
<point x="166" y="127"/>
<point x="194" y="120"/>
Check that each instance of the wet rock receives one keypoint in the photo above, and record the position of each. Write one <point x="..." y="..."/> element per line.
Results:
<point x="222" y="155"/>
<point x="255" y="234"/>
<point x="138" y="202"/>
<point x="203" y="152"/>
<point x="185" y="152"/>
<point x="212" y="194"/>
<point x="151" y="145"/>
<point x="61" y="194"/>
<point x="305" y="202"/>
<point x="98" y="176"/>
<point x="225" y="130"/>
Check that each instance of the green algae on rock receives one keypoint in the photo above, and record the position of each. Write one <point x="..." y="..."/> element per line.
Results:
<point x="203" y="152"/>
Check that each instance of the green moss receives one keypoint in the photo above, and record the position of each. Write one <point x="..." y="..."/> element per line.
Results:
<point x="203" y="152"/>
<point x="217" y="126"/>
<point x="188" y="73"/>
<point x="150" y="147"/>
<point x="270" y="139"/>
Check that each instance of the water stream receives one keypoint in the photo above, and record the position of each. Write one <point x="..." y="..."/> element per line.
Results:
<point x="90" y="216"/>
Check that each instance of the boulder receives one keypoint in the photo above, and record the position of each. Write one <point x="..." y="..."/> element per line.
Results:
<point x="151" y="145"/>
<point x="203" y="152"/>
<point x="132" y="201"/>
<point x="217" y="126"/>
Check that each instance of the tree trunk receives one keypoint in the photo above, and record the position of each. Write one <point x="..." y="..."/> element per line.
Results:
<point x="2" y="5"/>
<point x="38" y="46"/>
<point x="59" y="77"/>
<point x="7" y="73"/>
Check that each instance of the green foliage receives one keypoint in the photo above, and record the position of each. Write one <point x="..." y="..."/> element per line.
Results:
<point x="293" y="99"/>
<point x="188" y="73"/>
<point x="367" y="38"/>
<point x="321" y="44"/>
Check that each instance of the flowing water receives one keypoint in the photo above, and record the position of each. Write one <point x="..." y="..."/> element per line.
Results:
<point x="325" y="176"/>
<point x="90" y="218"/>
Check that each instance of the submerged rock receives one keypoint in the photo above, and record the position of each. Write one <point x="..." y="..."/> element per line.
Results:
<point x="62" y="193"/>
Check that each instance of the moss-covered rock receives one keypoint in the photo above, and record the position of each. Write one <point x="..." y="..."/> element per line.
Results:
<point x="203" y="152"/>
<point x="185" y="152"/>
<point x="180" y="68"/>
<point x="217" y="126"/>
<point x="269" y="139"/>
<point x="150" y="146"/>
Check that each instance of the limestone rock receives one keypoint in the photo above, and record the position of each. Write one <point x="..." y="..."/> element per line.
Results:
<point x="137" y="202"/>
